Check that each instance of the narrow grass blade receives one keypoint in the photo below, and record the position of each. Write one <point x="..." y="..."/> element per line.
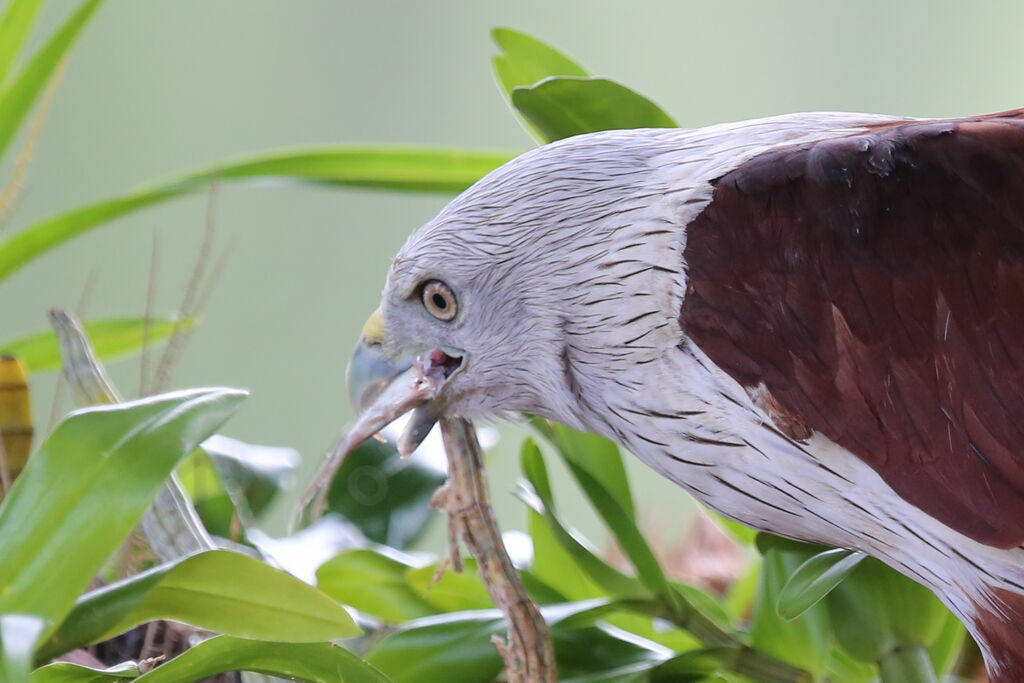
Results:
<point x="17" y="98"/>
<point x="395" y="168"/>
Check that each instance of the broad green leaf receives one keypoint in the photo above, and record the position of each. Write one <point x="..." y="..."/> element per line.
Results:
<point x="695" y="665"/>
<point x="215" y="506"/>
<point x="253" y="473"/>
<point x="877" y="609"/>
<point x="945" y="650"/>
<point x="15" y="26"/>
<point x="843" y="667"/>
<point x="605" y="653"/>
<point x="525" y="61"/>
<point x="561" y="107"/>
<point x="231" y="482"/>
<point x="815" y="579"/>
<point x="314" y="662"/>
<point x="217" y="590"/>
<point x="537" y="495"/>
<point x="448" y="647"/>
<point x="373" y="583"/>
<point x="596" y="454"/>
<point x="20" y="93"/>
<point x="457" y="646"/>
<point x="656" y="629"/>
<point x="19" y="634"/>
<point x="454" y="592"/>
<point x="805" y="641"/>
<point x="385" y="495"/>
<point x="111" y="338"/>
<point x="66" y="672"/>
<point x="706" y="604"/>
<point x="553" y="564"/>
<point x="87" y="487"/>
<point x="422" y="169"/>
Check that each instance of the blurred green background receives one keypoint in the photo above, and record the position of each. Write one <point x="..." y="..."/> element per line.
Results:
<point x="156" y="87"/>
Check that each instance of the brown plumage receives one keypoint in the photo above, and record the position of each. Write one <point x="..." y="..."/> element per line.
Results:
<point x="873" y="285"/>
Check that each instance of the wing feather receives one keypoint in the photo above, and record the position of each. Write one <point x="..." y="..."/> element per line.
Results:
<point x="873" y="286"/>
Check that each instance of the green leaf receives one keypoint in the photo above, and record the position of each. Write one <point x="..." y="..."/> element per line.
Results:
<point x="15" y="26"/>
<point x="111" y="338"/>
<point x="19" y="634"/>
<point x="843" y="667"/>
<point x="217" y="590"/>
<point x="552" y="563"/>
<point x="385" y="495"/>
<point x="564" y="106"/>
<point x="373" y="583"/>
<point x="805" y="641"/>
<point x="421" y="169"/>
<point x="65" y="672"/>
<point x="605" y="654"/>
<point x="537" y="495"/>
<point x="87" y="487"/>
<point x="232" y="481"/>
<point x="525" y="61"/>
<point x="596" y="454"/>
<point x="815" y="579"/>
<point x="945" y="649"/>
<point x="695" y="665"/>
<point x="454" y="592"/>
<point x="877" y="610"/>
<point x="449" y="647"/>
<point x="315" y="662"/>
<point x="18" y="96"/>
<point x="457" y="646"/>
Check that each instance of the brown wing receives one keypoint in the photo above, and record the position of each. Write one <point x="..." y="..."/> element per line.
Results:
<point x="875" y="285"/>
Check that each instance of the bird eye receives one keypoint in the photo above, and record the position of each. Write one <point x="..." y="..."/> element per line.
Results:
<point x="439" y="300"/>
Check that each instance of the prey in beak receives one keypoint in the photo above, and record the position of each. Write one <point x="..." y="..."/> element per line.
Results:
<point x="382" y="390"/>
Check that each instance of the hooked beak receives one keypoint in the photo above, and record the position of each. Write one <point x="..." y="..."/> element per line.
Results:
<point x="371" y="373"/>
<point x="382" y="390"/>
<point x="370" y="370"/>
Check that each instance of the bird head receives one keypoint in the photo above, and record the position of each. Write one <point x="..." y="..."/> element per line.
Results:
<point x="531" y="288"/>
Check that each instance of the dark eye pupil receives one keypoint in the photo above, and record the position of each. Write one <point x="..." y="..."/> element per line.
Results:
<point x="440" y="302"/>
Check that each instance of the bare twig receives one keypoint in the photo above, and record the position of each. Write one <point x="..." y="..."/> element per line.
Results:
<point x="529" y="655"/>
<point x="148" y="320"/>
<point x="12" y="191"/>
<point x="215" y="274"/>
<point x="180" y="334"/>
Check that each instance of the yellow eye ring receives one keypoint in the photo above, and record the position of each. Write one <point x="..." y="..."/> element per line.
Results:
<point x="439" y="300"/>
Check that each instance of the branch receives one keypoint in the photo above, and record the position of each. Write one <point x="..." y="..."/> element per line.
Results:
<point x="529" y="654"/>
